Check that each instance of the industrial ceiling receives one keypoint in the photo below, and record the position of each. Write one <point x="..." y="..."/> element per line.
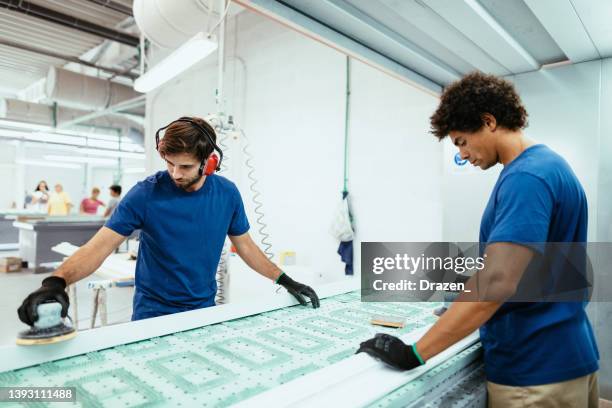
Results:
<point x="433" y="42"/>
<point x="36" y="34"/>
<point x="428" y="42"/>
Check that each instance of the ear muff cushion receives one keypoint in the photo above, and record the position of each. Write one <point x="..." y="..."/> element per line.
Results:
<point x="211" y="164"/>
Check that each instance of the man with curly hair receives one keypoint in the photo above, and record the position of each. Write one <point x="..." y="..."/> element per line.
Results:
<point x="536" y="353"/>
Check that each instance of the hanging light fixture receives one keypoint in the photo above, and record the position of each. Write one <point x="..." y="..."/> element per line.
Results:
<point x="187" y="55"/>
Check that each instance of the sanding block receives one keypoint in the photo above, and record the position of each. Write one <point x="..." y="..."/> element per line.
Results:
<point x="389" y="321"/>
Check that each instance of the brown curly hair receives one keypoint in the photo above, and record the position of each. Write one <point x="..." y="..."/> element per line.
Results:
<point x="463" y="103"/>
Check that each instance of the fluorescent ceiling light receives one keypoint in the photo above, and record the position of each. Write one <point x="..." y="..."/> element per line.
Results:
<point x="134" y="170"/>
<point x="79" y="159"/>
<point x="41" y="137"/>
<point x="191" y="52"/>
<point x="22" y="125"/>
<point x="123" y="146"/>
<point x="13" y="134"/>
<point x="111" y="153"/>
<point x="43" y="164"/>
<point x="53" y="147"/>
<point x="51" y="130"/>
<point x="55" y="138"/>
<point x="129" y="148"/>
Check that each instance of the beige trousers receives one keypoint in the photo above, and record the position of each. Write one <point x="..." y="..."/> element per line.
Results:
<point x="582" y="392"/>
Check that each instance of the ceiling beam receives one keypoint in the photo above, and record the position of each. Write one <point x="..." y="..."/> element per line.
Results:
<point x="43" y="13"/>
<point x="119" y="107"/>
<point x="596" y="22"/>
<point x="395" y="47"/>
<point x="471" y="19"/>
<point x="565" y="27"/>
<point x="317" y="31"/>
<point x="68" y="58"/>
<point x="412" y="17"/>
<point x="113" y="5"/>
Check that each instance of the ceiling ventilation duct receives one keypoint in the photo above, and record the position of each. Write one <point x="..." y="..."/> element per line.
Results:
<point x="169" y="23"/>
<point x="41" y="114"/>
<point x="76" y="90"/>
<point x="20" y="111"/>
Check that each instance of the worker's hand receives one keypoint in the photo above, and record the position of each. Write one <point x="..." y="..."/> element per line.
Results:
<point x="53" y="289"/>
<point x="391" y="351"/>
<point x="299" y="290"/>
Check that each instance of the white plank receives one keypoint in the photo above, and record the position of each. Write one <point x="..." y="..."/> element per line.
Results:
<point x="15" y="357"/>
<point x="353" y="382"/>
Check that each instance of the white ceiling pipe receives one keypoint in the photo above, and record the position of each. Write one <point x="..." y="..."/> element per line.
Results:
<point x="14" y="109"/>
<point x="76" y="90"/>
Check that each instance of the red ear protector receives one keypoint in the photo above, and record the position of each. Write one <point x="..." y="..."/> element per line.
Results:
<point x="210" y="166"/>
<point x="213" y="162"/>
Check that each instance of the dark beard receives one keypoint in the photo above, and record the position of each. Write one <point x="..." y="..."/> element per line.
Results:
<point x="190" y="184"/>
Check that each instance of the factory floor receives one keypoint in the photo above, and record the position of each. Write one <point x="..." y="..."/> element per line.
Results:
<point x="17" y="285"/>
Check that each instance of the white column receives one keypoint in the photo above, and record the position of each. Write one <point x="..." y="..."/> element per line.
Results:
<point x="20" y="187"/>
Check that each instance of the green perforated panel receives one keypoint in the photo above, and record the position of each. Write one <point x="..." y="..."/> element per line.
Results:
<point x="225" y="363"/>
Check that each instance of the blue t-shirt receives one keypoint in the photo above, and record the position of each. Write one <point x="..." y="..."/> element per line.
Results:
<point x="181" y="239"/>
<point x="537" y="199"/>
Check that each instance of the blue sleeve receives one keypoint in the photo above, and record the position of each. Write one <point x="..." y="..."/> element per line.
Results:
<point x="523" y="211"/>
<point x="239" y="224"/>
<point x="130" y="212"/>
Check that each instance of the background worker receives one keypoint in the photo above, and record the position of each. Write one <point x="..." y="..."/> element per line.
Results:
<point x="40" y="198"/>
<point x="59" y="201"/>
<point x="89" y="205"/>
<point x="115" y="193"/>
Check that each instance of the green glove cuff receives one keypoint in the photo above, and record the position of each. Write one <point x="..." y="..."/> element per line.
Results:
<point x="416" y="353"/>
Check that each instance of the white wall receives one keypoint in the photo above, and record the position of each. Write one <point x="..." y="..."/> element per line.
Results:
<point x="604" y="190"/>
<point x="288" y="93"/>
<point x="396" y="164"/>
<point x="563" y="105"/>
<point x="601" y="313"/>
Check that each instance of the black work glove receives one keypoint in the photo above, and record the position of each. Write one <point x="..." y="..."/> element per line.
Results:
<point x="299" y="290"/>
<point x="53" y="289"/>
<point x="391" y="351"/>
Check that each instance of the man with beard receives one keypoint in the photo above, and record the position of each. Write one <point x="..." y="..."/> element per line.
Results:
<point x="184" y="215"/>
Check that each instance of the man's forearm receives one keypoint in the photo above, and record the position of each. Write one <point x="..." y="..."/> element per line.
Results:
<point x="461" y="319"/>
<point x="495" y="284"/>
<point x="484" y="293"/>
<point x="256" y="260"/>
<point x="79" y="265"/>
<point x="90" y="256"/>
